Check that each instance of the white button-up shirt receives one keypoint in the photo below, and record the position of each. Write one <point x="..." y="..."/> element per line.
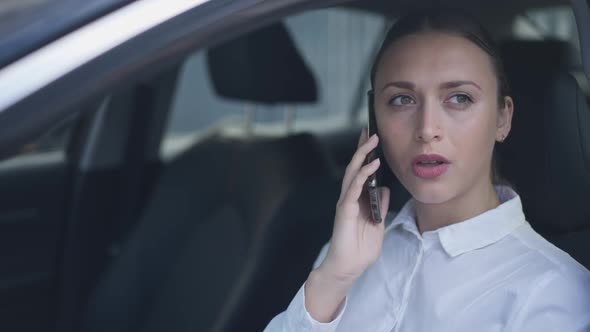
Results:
<point x="489" y="273"/>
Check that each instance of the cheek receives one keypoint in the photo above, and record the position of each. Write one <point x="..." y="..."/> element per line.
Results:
<point x="473" y="138"/>
<point x="395" y="135"/>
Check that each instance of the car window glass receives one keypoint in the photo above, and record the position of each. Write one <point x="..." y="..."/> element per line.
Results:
<point x="550" y="23"/>
<point x="556" y="23"/>
<point x="338" y="46"/>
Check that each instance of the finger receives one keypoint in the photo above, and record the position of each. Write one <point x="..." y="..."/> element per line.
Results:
<point x="384" y="203"/>
<point x="358" y="184"/>
<point x="347" y="176"/>
<point x="357" y="161"/>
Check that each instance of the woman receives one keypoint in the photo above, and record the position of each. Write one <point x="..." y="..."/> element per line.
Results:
<point x="460" y="255"/>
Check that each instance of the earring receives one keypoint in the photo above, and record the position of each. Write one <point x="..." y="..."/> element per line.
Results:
<point x="503" y="138"/>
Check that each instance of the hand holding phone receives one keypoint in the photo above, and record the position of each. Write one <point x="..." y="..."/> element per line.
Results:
<point x="372" y="182"/>
<point x="356" y="240"/>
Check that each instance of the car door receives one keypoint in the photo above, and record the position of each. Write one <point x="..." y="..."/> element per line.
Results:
<point x="34" y="190"/>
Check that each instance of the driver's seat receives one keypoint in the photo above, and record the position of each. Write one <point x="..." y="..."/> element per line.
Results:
<point x="547" y="154"/>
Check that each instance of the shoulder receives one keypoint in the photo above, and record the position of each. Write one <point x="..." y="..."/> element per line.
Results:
<point x="547" y="255"/>
<point x="558" y="301"/>
<point x="558" y="296"/>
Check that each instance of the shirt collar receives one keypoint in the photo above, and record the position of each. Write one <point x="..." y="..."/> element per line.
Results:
<point x="471" y="234"/>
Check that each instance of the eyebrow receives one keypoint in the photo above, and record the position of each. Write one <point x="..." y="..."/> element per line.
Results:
<point x="401" y="85"/>
<point x="446" y="85"/>
<point x="455" y="84"/>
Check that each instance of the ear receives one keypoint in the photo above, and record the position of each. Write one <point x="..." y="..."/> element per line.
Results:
<point x="504" y="120"/>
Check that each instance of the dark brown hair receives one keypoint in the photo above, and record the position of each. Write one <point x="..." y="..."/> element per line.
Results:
<point x="454" y="22"/>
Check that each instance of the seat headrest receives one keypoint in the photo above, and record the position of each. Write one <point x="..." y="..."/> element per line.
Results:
<point x="262" y="67"/>
<point x="536" y="54"/>
<point x="547" y="154"/>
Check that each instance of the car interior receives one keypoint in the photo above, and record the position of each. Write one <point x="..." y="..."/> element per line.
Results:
<point x="221" y="231"/>
<point x="257" y="228"/>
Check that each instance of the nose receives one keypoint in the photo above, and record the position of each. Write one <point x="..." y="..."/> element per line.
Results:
<point x="428" y="126"/>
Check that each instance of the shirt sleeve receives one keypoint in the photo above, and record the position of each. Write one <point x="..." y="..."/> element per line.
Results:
<point x="297" y="319"/>
<point x="558" y="303"/>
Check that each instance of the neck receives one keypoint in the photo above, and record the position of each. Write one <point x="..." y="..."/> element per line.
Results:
<point x="469" y="204"/>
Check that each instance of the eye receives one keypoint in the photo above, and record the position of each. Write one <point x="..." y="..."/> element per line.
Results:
<point x="402" y="100"/>
<point x="460" y="98"/>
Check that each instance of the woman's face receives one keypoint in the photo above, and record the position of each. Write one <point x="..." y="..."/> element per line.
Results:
<point x="437" y="111"/>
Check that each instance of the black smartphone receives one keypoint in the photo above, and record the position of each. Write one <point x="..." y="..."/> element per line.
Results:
<point x="372" y="182"/>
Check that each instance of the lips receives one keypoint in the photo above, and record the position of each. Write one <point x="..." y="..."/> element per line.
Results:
<point x="429" y="166"/>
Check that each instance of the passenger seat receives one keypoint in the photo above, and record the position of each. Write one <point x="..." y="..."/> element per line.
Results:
<point x="233" y="225"/>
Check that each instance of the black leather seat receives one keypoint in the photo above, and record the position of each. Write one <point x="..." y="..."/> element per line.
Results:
<point x="547" y="155"/>
<point x="233" y="224"/>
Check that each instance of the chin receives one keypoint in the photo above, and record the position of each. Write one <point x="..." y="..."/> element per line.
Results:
<point x="429" y="191"/>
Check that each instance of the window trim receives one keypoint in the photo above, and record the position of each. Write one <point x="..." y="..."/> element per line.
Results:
<point x="64" y="55"/>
